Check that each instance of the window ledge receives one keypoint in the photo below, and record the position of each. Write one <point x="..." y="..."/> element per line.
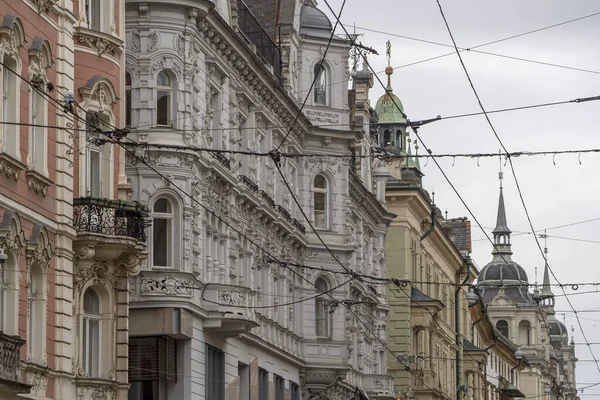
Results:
<point x="38" y="182"/>
<point x="11" y="166"/>
<point x="99" y="41"/>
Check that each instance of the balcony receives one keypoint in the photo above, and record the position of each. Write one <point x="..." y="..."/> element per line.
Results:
<point x="253" y="31"/>
<point x="229" y="307"/>
<point x="10" y="360"/>
<point x="109" y="229"/>
<point x="379" y="386"/>
<point x="110" y="218"/>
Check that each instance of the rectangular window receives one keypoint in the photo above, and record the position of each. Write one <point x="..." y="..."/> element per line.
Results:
<point x="95" y="174"/>
<point x="321" y="317"/>
<point x="294" y="391"/>
<point x="128" y="106"/>
<point x="3" y="298"/>
<point x="163" y="108"/>
<point x="263" y="384"/>
<point x="91" y="340"/>
<point x="5" y="103"/>
<point x="279" y="388"/>
<point x="215" y="373"/>
<point x="93" y="14"/>
<point x="244" y="381"/>
<point x="161" y="228"/>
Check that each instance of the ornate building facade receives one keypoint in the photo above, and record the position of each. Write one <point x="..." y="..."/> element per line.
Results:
<point x="527" y="319"/>
<point x="67" y="243"/>
<point x="430" y="255"/>
<point x="220" y="310"/>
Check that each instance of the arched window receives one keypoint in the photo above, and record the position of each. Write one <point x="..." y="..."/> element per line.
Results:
<point x="36" y="318"/>
<point x="524" y="333"/>
<point x="502" y="326"/>
<point x="321" y="200"/>
<point x="10" y="91"/>
<point x="162" y="232"/>
<point x="322" y="314"/>
<point x="91" y="341"/>
<point x="387" y="138"/>
<point x="165" y="84"/>
<point x="128" y="109"/>
<point x="320" y="86"/>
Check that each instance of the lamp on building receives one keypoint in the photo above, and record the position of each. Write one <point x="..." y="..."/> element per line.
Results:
<point x="519" y="356"/>
<point x="3" y="256"/>
<point x="472" y="297"/>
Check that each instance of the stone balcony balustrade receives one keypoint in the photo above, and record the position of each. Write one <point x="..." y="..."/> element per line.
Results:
<point x="10" y="365"/>
<point x="230" y="309"/>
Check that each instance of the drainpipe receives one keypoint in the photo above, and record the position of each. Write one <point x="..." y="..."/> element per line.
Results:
<point x="433" y="215"/>
<point x="459" y="374"/>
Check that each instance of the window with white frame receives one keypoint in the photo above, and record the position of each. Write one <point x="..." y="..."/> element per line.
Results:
<point x="320" y="86"/>
<point x="36" y="317"/>
<point x="10" y="91"/>
<point x="128" y="104"/>
<point x="38" y="134"/>
<point x="91" y="341"/>
<point x="94" y="163"/>
<point x="165" y="94"/>
<point x="321" y="202"/>
<point x="322" y="315"/>
<point x="163" y="215"/>
<point x="4" y="297"/>
<point x="93" y="14"/>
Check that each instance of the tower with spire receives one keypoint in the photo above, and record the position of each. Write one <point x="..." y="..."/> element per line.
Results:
<point x="392" y="134"/>
<point x="526" y="319"/>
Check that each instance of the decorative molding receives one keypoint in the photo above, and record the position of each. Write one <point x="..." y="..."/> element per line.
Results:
<point x="44" y="5"/>
<point x="153" y="41"/>
<point x="11" y="166"/>
<point x="322" y="116"/>
<point x="168" y="285"/>
<point x="38" y="182"/>
<point x="100" y="42"/>
<point x="135" y="42"/>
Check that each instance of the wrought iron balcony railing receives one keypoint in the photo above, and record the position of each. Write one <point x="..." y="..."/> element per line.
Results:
<point x="255" y="33"/>
<point x="110" y="217"/>
<point x="10" y="363"/>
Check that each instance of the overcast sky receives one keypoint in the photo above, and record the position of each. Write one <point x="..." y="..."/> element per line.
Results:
<point x="554" y="194"/>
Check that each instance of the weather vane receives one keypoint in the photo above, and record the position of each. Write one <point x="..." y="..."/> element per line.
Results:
<point x="388" y="52"/>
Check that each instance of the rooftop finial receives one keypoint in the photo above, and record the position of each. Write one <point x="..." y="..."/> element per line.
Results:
<point x="500" y="173"/>
<point x="389" y="70"/>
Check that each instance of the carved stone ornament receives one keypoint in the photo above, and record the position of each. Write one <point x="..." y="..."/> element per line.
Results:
<point x="99" y="273"/>
<point x="232" y="298"/>
<point x="168" y="285"/>
<point x="38" y="247"/>
<point x="11" y="166"/>
<point x="153" y="41"/>
<point x="12" y="35"/>
<point x="101" y="92"/>
<point x="101" y="43"/>
<point x="38" y="182"/>
<point x="144" y="11"/>
<point x="11" y="234"/>
<point x="135" y="43"/>
<point x="38" y="382"/>
<point x="44" y="5"/>
<point x="322" y="116"/>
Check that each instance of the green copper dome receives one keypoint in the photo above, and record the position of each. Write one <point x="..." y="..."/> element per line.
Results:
<point x="388" y="104"/>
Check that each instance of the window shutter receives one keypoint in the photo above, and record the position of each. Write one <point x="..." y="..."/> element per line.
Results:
<point x="152" y="359"/>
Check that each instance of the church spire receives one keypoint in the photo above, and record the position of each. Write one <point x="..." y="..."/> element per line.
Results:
<point x="501" y="231"/>
<point x="546" y="294"/>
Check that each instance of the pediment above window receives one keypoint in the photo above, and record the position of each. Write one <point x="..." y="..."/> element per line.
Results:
<point x="12" y="35"/>
<point x="100" y="92"/>
<point x="40" y="57"/>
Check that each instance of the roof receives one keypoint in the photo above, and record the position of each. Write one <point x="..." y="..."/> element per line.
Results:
<point x="314" y="23"/>
<point x="389" y="107"/>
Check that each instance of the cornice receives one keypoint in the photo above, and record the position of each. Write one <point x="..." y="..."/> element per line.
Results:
<point x="368" y="202"/>
<point x="236" y="52"/>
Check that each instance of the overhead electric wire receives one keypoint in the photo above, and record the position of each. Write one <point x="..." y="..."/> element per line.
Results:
<point x="512" y="170"/>
<point x="314" y="80"/>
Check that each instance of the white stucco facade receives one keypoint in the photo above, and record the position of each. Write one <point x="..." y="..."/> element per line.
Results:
<point x="242" y="324"/>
